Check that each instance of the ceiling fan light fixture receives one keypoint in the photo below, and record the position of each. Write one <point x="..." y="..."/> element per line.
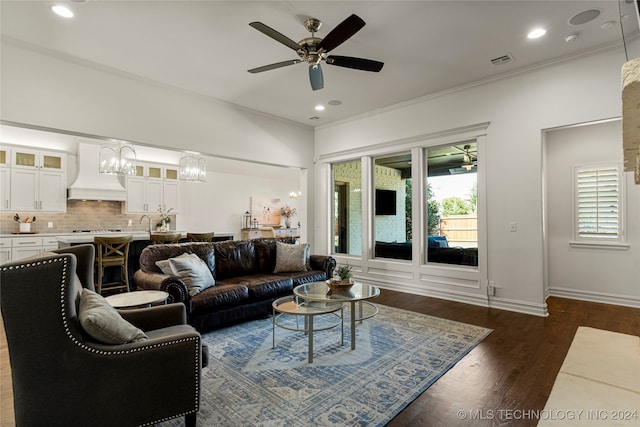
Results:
<point x="467" y="161"/>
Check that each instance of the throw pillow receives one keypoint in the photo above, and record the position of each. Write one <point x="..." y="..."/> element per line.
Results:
<point x="193" y="272"/>
<point x="103" y="322"/>
<point x="291" y="258"/>
<point x="165" y="266"/>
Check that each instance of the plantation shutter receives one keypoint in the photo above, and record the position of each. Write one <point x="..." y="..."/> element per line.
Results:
<point x="598" y="203"/>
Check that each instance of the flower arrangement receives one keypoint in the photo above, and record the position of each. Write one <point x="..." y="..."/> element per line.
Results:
<point x="287" y="211"/>
<point x="165" y="219"/>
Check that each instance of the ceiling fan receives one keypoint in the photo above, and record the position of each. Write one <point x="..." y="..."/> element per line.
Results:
<point x="314" y="50"/>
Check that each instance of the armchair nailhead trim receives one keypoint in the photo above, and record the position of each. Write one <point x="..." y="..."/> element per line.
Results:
<point x="85" y="347"/>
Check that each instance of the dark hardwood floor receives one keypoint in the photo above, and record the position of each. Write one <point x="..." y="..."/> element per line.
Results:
<point x="513" y="369"/>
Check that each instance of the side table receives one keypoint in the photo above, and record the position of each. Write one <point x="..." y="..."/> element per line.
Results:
<point x="290" y="305"/>
<point x="137" y="299"/>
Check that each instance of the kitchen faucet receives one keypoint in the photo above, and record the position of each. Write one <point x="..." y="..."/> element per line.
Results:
<point x="149" y="220"/>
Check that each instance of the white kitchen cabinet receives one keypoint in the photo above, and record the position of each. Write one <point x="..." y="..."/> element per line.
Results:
<point x="49" y="243"/>
<point x="38" y="181"/>
<point x="153" y="186"/>
<point x="38" y="159"/>
<point x="19" y="248"/>
<point x="5" y="188"/>
<point x="38" y="190"/>
<point x="170" y="196"/>
<point x="24" y="247"/>
<point x="5" y="250"/>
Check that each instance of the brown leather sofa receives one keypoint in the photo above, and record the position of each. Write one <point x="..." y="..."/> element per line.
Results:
<point x="245" y="284"/>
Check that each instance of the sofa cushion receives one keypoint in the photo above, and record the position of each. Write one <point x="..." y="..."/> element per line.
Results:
<point x="193" y="272"/>
<point x="264" y="286"/>
<point x="103" y="322"/>
<point x="265" y="254"/>
<point x="220" y="296"/>
<point x="153" y="253"/>
<point x="302" y="277"/>
<point x="290" y="258"/>
<point x="235" y="258"/>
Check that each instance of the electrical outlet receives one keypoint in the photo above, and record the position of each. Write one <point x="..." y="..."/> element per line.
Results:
<point x="50" y="224"/>
<point x="513" y="227"/>
<point x="491" y="289"/>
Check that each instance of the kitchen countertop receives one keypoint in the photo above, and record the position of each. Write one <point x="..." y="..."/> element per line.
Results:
<point x="69" y="238"/>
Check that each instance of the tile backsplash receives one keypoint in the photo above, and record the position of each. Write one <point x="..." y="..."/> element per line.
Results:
<point x="82" y="215"/>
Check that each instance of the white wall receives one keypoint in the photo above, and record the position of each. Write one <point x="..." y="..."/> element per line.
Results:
<point x="219" y="203"/>
<point x="518" y="107"/>
<point x="42" y="89"/>
<point x="593" y="273"/>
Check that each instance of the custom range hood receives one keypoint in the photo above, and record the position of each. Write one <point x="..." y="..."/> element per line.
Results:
<point x="90" y="184"/>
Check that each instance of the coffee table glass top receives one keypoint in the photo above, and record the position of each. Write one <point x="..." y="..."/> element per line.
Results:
<point x="321" y="291"/>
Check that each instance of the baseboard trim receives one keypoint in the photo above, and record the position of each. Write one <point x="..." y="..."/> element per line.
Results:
<point x="623" y="300"/>
<point x="472" y="299"/>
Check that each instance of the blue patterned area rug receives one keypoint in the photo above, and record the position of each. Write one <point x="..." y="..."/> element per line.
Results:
<point x="398" y="355"/>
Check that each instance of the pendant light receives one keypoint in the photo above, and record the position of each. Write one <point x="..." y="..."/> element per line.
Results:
<point x="119" y="159"/>
<point x="193" y="168"/>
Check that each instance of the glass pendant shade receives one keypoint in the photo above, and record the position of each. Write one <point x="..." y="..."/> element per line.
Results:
<point x="117" y="160"/>
<point x="193" y="168"/>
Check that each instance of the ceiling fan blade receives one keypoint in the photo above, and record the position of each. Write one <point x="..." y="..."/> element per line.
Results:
<point x="315" y="77"/>
<point x="265" y="29"/>
<point x="355" y="63"/>
<point x="274" y="66"/>
<point x="341" y="33"/>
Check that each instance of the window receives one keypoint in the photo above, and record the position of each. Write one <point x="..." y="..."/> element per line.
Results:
<point x="452" y="204"/>
<point x="347" y="208"/>
<point x="598" y="203"/>
<point x="392" y="207"/>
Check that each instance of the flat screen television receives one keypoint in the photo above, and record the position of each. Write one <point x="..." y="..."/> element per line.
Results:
<point x="385" y="202"/>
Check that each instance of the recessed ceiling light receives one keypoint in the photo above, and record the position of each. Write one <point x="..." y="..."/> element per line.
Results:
<point x="335" y="102"/>
<point x="607" y="25"/>
<point x="319" y="107"/>
<point x="61" y="10"/>
<point x="537" y="33"/>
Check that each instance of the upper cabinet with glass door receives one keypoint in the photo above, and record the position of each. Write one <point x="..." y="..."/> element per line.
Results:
<point x="38" y="180"/>
<point x="38" y="159"/>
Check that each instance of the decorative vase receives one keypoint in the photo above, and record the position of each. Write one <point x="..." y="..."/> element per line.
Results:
<point x="287" y="222"/>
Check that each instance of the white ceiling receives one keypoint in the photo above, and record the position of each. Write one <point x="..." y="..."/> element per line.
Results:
<point x="207" y="46"/>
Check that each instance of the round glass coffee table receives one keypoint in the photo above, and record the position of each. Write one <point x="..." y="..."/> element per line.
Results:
<point x="358" y="292"/>
<point x="291" y="305"/>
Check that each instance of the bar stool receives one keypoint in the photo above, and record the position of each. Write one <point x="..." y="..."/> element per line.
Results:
<point x="200" y="237"/>
<point x="112" y="252"/>
<point x="157" y="238"/>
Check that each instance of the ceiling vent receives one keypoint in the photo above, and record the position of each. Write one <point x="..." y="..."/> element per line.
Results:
<point x="502" y="59"/>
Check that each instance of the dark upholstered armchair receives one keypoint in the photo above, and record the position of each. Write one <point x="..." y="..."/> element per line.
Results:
<point x="61" y="377"/>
